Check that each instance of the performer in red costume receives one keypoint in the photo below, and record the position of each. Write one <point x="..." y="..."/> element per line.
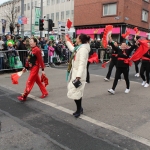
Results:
<point x="35" y="61"/>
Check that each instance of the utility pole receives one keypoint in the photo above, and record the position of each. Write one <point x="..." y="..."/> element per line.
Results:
<point x="41" y="15"/>
<point x="31" y="17"/>
<point x="22" y="14"/>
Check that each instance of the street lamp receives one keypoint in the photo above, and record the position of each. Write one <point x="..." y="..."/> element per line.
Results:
<point x="122" y="27"/>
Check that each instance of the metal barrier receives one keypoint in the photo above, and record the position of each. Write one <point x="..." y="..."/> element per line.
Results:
<point x="98" y="51"/>
<point x="17" y="60"/>
<point x="11" y="60"/>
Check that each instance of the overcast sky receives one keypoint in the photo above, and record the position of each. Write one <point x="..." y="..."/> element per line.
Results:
<point x="2" y="1"/>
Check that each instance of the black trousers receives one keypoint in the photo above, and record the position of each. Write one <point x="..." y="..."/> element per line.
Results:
<point x="136" y="63"/>
<point x="145" y="67"/>
<point x="78" y="104"/>
<point x="119" y="71"/>
<point x="88" y="74"/>
<point x="111" y="66"/>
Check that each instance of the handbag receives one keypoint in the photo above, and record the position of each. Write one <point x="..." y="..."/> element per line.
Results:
<point x="76" y="83"/>
<point x="18" y="63"/>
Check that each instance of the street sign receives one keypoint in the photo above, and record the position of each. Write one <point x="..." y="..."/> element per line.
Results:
<point x="62" y="28"/>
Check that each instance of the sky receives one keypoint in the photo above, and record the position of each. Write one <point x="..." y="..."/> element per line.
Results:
<point x="2" y="1"/>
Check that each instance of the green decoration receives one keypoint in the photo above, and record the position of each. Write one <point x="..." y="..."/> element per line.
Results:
<point x="10" y="41"/>
<point x="51" y="38"/>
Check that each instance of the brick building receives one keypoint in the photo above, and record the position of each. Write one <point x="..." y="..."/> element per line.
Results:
<point x="91" y="16"/>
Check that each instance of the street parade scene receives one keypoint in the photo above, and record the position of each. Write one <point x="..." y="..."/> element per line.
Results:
<point x="74" y="75"/>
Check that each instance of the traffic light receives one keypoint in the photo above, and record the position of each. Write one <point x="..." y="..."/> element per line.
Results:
<point x="41" y="24"/>
<point x="50" y="25"/>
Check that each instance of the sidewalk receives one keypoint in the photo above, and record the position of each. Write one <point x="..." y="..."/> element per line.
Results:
<point x="129" y="112"/>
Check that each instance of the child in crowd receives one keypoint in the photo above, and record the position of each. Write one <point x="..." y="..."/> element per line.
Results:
<point x="12" y="53"/>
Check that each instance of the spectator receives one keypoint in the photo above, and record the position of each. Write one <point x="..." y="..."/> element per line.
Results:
<point x="102" y="53"/>
<point x="1" y="53"/>
<point x="11" y="55"/>
<point x="51" y="54"/>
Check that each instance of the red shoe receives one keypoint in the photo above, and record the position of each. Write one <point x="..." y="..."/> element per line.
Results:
<point x="21" y="98"/>
<point x="44" y="95"/>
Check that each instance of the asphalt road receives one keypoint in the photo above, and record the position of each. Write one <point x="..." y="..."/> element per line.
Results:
<point x="58" y="133"/>
<point x="48" y="125"/>
<point x="96" y="69"/>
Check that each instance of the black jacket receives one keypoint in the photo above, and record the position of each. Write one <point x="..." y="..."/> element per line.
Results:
<point x="113" y="52"/>
<point x="147" y="55"/>
<point x="97" y="45"/>
<point x="121" y="63"/>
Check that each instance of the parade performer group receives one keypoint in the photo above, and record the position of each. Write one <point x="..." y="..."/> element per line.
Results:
<point x="34" y="63"/>
<point x="122" y="59"/>
<point x="77" y="72"/>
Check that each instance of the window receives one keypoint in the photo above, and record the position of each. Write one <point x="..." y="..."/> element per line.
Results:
<point x="62" y="15"/>
<point x="57" y="1"/>
<point x="48" y="2"/>
<point x="57" y="16"/>
<point x="67" y="14"/>
<point x="24" y="7"/>
<point x="53" y="2"/>
<point x="28" y="6"/>
<point x="35" y="3"/>
<point x="144" y="15"/>
<point x="109" y="9"/>
<point x="72" y="13"/>
<point x="48" y="16"/>
<point x="52" y="16"/>
<point x="68" y="0"/>
<point x="62" y="1"/>
<point x="15" y="10"/>
<point x="18" y="8"/>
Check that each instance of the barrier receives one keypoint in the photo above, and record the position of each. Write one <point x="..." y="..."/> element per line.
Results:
<point x="8" y="62"/>
<point x="98" y="51"/>
<point x="12" y="60"/>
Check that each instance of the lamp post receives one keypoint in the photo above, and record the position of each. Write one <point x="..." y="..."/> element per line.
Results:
<point x="123" y="27"/>
<point x="41" y="15"/>
<point x="22" y="14"/>
<point x="31" y="17"/>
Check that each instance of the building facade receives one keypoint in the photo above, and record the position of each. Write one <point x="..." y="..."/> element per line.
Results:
<point x="91" y="16"/>
<point x="57" y="10"/>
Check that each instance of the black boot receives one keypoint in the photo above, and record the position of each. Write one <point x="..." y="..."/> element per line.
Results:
<point x="79" y="108"/>
<point x="76" y="106"/>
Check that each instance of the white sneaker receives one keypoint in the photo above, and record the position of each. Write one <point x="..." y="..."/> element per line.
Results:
<point x="106" y="79"/>
<point x="127" y="91"/>
<point x="146" y="85"/>
<point x="119" y="80"/>
<point x="111" y="91"/>
<point x="137" y="75"/>
<point x="143" y="83"/>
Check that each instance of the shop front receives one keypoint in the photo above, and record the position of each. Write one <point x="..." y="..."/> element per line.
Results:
<point x="97" y="33"/>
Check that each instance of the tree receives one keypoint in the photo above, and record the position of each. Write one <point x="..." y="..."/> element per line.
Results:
<point x="10" y="13"/>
